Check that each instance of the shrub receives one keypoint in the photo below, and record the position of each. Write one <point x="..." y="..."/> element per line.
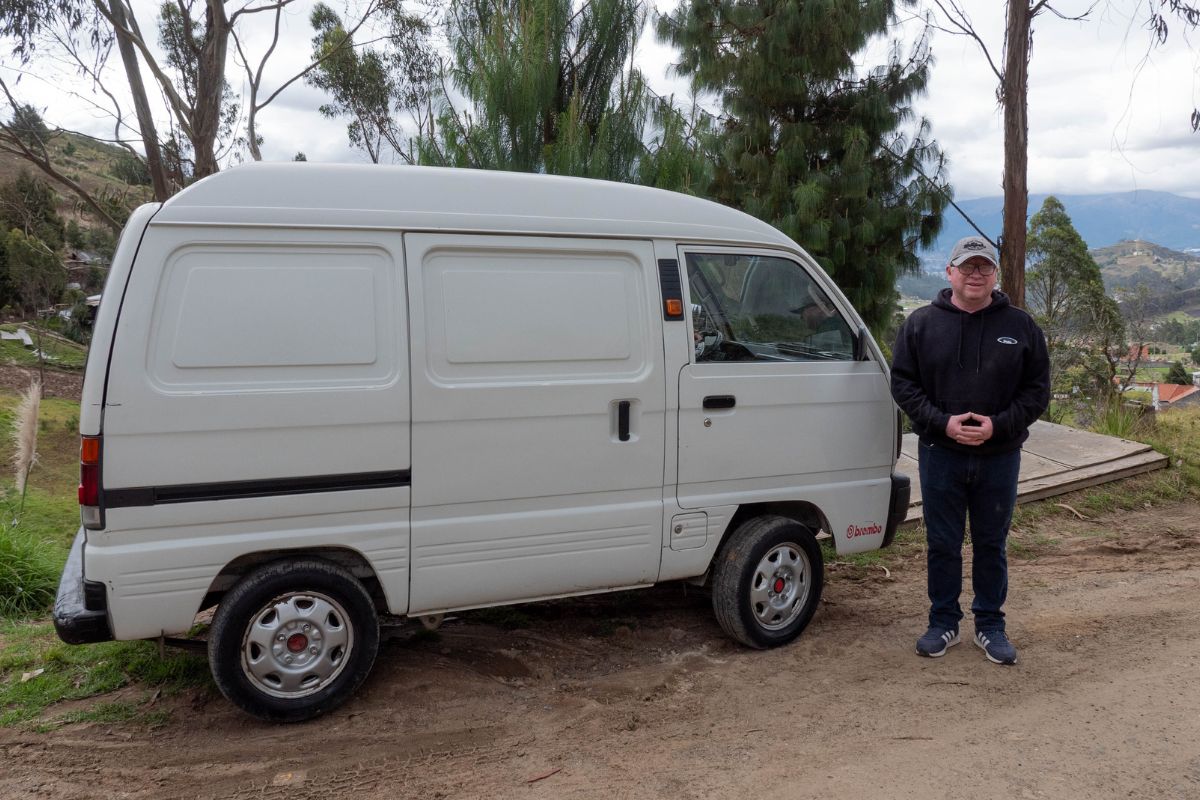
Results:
<point x="29" y="570"/>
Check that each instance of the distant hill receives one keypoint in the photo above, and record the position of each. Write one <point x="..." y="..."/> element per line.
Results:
<point x="1161" y="269"/>
<point x="89" y="162"/>
<point x="1172" y="278"/>
<point x="1167" y="219"/>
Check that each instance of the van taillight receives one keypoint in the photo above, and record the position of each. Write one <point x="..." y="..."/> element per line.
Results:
<point x="89" y="480"/>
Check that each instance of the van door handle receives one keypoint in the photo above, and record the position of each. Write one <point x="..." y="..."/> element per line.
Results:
<point x="720" y="401"/>
<point x="623" y="420"/>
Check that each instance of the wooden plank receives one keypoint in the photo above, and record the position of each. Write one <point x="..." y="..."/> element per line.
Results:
<point x="1077" y="448"/>
<point x="1042" y="487"/>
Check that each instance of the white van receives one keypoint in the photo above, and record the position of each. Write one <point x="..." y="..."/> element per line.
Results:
<point x="320" y="394"/>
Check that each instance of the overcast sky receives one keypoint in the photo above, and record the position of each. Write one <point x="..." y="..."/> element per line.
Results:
<point x="1106" y="114"/>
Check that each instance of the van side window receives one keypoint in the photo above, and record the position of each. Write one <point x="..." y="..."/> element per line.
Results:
<point x="762" y="308"/>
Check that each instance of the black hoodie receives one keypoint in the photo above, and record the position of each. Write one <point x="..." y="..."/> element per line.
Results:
<point x="992" y="362"/>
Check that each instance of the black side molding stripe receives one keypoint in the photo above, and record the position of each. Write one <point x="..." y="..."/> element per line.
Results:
<point x="236" y="490"/>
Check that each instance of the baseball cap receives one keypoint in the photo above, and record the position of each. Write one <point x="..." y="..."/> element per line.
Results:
<point x="970" y="247"/>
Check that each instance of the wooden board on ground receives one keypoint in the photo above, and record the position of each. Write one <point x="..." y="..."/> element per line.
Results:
<point x="1056" y="460"/>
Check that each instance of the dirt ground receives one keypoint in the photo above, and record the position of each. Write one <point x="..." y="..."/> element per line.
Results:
<point x="67" y="385"/>
<point x="638" y="695"/>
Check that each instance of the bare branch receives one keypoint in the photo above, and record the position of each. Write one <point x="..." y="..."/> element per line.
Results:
<point x="268" y="7"/>
<point x="957" y="17"/>
<point x="1046" y="5"/>
<point x="371" y="9"/>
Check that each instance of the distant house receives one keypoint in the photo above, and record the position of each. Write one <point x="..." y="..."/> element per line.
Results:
<point x="1169" y="395"/>
<point x="1135" y="355"/>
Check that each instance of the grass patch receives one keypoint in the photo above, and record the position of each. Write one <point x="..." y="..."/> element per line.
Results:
<point x="1029" y="544"/>
<point x="60" y="353"/>
<point x="29" y="570"/>
<point x="75" y="672"/>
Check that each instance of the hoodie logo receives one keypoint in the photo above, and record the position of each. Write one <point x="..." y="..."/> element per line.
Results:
<point x="1006" y="340"/>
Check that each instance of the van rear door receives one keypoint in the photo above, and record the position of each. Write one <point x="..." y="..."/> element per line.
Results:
<point x="257" y="400"/>
<point x="538" y="417"/>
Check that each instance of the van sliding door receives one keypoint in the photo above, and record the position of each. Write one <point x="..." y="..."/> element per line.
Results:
<point x="538" y="417"/>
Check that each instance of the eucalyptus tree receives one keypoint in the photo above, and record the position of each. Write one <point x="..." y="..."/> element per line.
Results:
<point x="832" y="154"/>
<point x="1064" y="287"/>
<point x="187" y="72"/>
<point x="371" y="84"/>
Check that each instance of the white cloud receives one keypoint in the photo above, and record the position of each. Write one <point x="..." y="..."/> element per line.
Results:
<point x="1104" y="114"/>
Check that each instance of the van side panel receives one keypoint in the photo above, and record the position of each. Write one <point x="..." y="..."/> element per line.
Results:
<point x="258" y="400"/>
<point x="524" y="484"/>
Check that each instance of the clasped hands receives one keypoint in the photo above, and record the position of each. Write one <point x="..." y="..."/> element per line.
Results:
<point x="969" y="428"/>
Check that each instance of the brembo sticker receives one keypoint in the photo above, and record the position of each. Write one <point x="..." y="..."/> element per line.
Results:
<point x="870" y="529"/>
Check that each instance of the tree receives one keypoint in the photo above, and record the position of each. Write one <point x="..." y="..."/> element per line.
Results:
<point x="1063" y="280"/>
<point x="35" y="273"/>
<point x="828" y="153"/>
<point x="1178" y="375"/>
<point x="190" y="79"/>
<point x="1012" y="92"/>
<point x="368" y="84"/>
<point x="37" y="278"/>
<point x="549" y="87"/>
<point x="30" y="206"/>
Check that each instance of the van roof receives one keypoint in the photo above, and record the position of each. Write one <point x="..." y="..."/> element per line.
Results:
<point x="442" y="199"/>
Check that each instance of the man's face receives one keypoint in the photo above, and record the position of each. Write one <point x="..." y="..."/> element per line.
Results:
<point x="970" y="284"/>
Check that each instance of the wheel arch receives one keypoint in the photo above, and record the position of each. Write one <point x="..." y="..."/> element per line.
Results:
<point x="347" y="558"/>
<point x="806" y="513"/>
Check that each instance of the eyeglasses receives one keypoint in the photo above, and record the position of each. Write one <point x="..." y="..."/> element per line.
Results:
<point x="972" y="269"/>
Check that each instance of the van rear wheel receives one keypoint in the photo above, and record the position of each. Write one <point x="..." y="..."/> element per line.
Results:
<point x="767" y="581"/>
<point x="293" y="640"/>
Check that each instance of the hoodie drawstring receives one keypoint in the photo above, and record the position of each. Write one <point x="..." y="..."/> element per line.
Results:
<point x="962" y="321"/>
<point x="979" y="353"/>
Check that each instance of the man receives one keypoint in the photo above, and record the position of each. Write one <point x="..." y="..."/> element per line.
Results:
<point x="972" y="373"/>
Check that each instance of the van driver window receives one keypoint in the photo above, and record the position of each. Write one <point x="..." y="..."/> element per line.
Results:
<point x="762" y="308"/>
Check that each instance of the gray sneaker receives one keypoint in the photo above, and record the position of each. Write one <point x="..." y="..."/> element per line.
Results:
<point x="937" y="641"/>
<point x="996" y="646"/>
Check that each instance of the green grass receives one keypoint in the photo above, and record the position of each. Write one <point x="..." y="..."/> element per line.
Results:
<point x="60" y="353"/>
<point x="74" y="672"/>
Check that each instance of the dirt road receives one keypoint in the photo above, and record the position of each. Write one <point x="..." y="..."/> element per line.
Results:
<point x="637" y="695"/>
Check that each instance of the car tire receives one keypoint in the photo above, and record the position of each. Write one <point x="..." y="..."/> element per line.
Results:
<point x="293" y="640"/>
<point x="767" y="581"/>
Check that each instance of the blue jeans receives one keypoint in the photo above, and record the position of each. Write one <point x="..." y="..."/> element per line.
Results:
<point x="955" y="486"/>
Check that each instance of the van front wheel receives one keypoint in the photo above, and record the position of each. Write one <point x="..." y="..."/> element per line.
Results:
<point x="293" y="639"/>
<point x="767" y="581"/>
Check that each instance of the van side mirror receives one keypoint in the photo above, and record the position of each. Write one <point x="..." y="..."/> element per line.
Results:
<point x="860" y="343"/>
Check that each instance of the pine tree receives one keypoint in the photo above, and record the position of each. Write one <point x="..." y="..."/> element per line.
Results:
<point x="831" y="155"/>
<point x="1178" y="375"/>
<point x="550" y="87"/>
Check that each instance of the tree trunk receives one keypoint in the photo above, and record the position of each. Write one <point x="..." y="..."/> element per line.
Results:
<point x="1015" y="90"/>
<point x="210" y="89"/>
<point x="141" y="104"/>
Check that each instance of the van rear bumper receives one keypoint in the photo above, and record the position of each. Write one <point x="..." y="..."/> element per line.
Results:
<point x="80" y="610"/>
<point x="898" y="507"/>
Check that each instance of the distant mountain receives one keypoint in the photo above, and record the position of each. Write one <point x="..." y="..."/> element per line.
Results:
<point x="1167" y="219"/>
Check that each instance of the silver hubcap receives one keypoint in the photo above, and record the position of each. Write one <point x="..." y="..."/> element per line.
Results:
<point x="297" y="644"/>
<point x="780" y="586"/>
